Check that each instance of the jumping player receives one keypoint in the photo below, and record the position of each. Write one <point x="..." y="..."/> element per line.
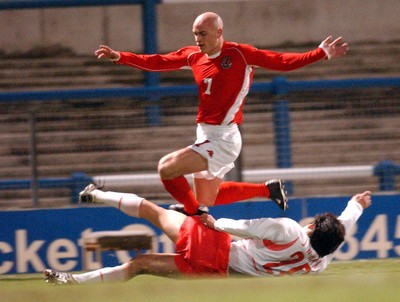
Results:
<point x="223" y="72"/>
<point x="273" y="246"/>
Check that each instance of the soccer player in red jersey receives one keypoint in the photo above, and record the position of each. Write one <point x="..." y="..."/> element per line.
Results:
<point x="203" y="245"/>
<point x="223" y="72"/>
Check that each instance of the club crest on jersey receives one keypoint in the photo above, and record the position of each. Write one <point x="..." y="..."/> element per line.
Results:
<point x="226" y="62"/>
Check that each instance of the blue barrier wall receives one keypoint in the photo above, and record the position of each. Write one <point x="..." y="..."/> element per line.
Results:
<point x="33" y="240"/>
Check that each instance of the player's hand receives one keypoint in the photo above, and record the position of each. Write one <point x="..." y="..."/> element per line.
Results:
<point x="207" y="220"/>
<point x="364" y="199"/>
<point x="334" y="49"/>
<point x="106" y="52"/>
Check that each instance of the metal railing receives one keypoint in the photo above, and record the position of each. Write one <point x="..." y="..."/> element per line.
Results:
<point x="386" y="171"/>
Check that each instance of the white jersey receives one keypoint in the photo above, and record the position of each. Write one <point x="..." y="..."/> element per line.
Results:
<point x="278" y="246"/>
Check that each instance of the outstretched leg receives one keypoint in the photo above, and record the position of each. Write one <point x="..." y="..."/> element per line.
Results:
<point x="227" y="192"/>
<point x="133" y="205"/>
<point x="230" y="192"/>
<point x="162" y="265"/>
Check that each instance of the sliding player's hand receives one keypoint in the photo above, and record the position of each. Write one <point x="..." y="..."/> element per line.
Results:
<point x="207" y="220"/>
<point x="364" y="199"/>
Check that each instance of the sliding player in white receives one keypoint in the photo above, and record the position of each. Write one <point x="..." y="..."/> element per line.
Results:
<point x="272" y="246"/>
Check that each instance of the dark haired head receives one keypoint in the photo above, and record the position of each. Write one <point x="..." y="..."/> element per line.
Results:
<point x="327" y="235"/>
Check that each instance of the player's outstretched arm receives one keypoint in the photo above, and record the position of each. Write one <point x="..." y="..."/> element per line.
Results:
<point x="334" y="48"/>
<point x="355" y="207"/>
<point x="107" y="52"/>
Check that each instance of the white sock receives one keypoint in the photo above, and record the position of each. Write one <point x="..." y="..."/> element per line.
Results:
<point x="126" y="202"/>
<point x="103" y="275"/>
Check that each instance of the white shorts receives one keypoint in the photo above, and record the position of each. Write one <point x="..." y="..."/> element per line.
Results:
<point x="220" y="145"/>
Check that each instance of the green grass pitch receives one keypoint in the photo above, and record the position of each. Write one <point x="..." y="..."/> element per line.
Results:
<point x="370" y="280"/>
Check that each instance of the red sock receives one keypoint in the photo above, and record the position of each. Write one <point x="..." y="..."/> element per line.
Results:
<point x="230" y="192"/>
<point x="180" y="189"/>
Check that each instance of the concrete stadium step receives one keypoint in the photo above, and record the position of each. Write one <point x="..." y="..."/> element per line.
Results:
<point x="336" y="187"/>
<point x="105" y="140"/>
<point x="343" y="153"/>
<point x="26" y="203"/>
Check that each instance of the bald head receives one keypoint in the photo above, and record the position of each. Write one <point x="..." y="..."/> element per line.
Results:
<point x="209" y="19"/>
<point x="207" y="29"/>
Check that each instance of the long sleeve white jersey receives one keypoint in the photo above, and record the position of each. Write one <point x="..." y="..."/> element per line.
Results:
<point x="278" y="246"/>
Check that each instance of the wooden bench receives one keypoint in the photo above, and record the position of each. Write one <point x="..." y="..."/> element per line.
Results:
<point x="97" y="242"/>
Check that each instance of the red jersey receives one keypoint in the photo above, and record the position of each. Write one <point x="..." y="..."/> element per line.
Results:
<point x="223" y="79"/>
